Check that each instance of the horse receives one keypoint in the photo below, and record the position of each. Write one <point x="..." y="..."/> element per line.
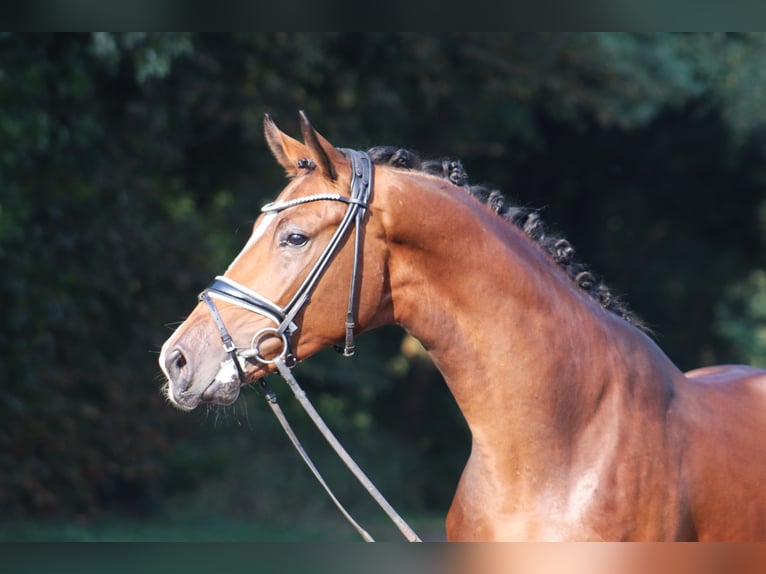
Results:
<point x="581" y="427"/>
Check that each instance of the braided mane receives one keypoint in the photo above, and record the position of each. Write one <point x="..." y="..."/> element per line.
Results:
<point x="526" y="219"/>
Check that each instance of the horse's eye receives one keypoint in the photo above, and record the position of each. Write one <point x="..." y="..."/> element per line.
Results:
<point x="295" y="240"/>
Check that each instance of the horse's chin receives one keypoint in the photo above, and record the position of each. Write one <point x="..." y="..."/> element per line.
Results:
<point x="220" y="393"/>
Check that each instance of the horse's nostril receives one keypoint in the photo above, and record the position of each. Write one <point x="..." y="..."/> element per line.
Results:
<point x="175" y="363"/>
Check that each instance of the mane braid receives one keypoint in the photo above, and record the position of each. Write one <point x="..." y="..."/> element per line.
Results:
<point x="526" y="219"/>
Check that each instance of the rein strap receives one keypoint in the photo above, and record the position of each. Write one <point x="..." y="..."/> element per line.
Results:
<point x="300" y="394"/>
<point x="271" y="399"/>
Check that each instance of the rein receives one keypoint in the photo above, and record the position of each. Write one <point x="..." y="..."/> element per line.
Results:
<point x="230" y="291"/>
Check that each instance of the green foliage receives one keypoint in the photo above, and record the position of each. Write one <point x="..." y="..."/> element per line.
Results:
<point x="741" y="312"/>
<point x="151" y="54"/>
<point x="742" y="317"/>
<point x="132" y="166"/>
<point x="78" y="221"/>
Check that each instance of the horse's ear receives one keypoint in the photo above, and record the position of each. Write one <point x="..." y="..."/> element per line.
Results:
<point x="286" y="150"/>
<point x="325" y="155"/>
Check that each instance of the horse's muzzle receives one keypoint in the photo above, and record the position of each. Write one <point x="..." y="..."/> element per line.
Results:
<point x="189" y="385"/>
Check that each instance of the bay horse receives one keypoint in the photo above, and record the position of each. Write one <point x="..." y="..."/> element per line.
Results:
<point x="581" y="427"/>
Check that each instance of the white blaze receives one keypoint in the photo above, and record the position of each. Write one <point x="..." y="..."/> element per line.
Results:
<point x="258" y="232"/>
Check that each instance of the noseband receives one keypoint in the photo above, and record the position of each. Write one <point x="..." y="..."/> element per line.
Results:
<point x="230" y="291"/>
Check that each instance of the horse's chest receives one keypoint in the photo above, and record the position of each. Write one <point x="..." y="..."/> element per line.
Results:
<point x="490" y="506"/>
<point x="590" y="506"/>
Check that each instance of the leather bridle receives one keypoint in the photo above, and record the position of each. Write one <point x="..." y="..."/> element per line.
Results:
<point x="230" y="291"/>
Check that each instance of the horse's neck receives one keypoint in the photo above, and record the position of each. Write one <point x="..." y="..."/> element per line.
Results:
<point x="530" y="360"/>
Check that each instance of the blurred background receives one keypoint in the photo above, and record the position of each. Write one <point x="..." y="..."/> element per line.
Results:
<point x="133" y="165"/>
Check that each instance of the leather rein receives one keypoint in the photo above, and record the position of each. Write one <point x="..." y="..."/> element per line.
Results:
<point x="225" y="289"/>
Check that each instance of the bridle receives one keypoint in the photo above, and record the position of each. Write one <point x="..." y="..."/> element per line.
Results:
<point x="225" y="289"/>
<point x="232" y="292"/>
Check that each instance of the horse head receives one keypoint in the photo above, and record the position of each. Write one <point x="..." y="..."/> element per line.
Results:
<point x="310" y="243"/>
